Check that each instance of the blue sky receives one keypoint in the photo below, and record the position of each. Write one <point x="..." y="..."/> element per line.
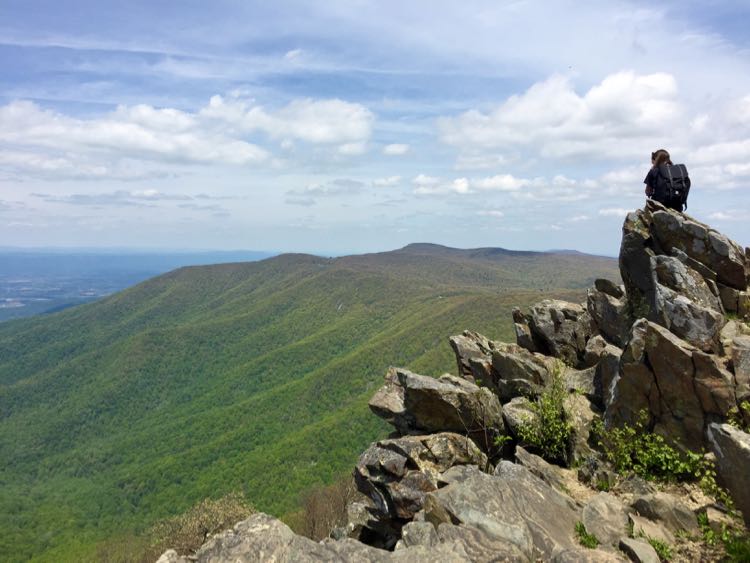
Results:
<point x="353" y="126"/>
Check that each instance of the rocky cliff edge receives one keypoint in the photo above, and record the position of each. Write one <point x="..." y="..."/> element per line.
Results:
<point x="667" y="352"/>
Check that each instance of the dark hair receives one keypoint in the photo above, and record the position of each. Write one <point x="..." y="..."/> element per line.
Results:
<point x="660" y="157"/>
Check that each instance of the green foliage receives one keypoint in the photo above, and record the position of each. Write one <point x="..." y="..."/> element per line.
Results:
<point x="739" y="416"/>
<point x="122" y="413"/>
<point x="549" y="431"/>
<point x="736" y="545"/>
<point x="635" y="449"/>
<point x="662" y="548"/>
<point x="737" y="548"/>
<point x="584" y="538"/>
<point x="602" y="485"/>
<point x="501" y="439"/>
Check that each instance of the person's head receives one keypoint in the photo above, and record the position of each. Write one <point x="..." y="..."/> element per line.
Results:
<point x="660" y="157"/>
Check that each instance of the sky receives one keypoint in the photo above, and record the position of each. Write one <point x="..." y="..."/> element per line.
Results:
<point x="351" y="126"/>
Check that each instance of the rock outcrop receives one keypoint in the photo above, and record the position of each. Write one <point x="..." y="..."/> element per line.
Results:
<point x="397" y="474"/>
<point x="415" y="403"/>
<point x="658" y="350"/>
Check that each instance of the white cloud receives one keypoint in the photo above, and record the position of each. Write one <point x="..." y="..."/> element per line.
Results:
<point x="614" y="212"/>
<point x="423" y="180"/>
<point x="293" y="55"/>
<point x="500" y="182"/>
<point x="314" y="121"/>
<point x="557" y="122"/>
<point x="730" y="216"/>
<point x="491" y="213"/>
<point x="119" y="198"/>
<point x="480" y="161"/>
<point x="390" y="181"/>
<point x="395" y="149"/>
<point x="140" y="132"/>
<point x="352" y="149"/>
<point x="48" y="144"/>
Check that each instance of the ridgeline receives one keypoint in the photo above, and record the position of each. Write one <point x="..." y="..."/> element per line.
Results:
<point x="250" y="377"/>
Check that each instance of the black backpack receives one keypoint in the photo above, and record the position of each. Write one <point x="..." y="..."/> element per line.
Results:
<point x="673" y="186"/>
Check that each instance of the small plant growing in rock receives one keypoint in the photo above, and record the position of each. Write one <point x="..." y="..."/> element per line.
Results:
<point x="549" y="431"/>
<point x="662" y="549"/>
<point x="635" y="449"/>
<point x="738" y="548"/>
<point x="737" y="416"/>
<point x="736" y="545"/>
<point x="585" y="538"/>
<point x="602" y="485"/>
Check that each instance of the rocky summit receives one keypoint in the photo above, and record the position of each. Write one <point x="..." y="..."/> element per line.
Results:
<point x="460" y="479"/>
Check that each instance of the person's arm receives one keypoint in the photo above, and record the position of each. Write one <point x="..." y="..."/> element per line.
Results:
<point x="648" y="181"/>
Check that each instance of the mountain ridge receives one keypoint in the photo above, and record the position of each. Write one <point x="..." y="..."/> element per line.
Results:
<point x="208" y="379"/>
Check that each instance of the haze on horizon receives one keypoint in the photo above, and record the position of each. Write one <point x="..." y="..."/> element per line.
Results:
<point x="344" y="126"/>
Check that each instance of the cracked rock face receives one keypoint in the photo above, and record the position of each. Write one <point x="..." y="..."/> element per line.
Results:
<point x="732" y="449"/>
<point x="415" y="403"/>
<point x="561" y="329"/>
<point x="703" y="244"/>
<point x="677" y="385"/>
<point x="397" y="474"/>
<point x="512" y="506"/>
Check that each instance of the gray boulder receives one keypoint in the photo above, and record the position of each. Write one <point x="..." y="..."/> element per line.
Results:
<point x="517" y="412"/>
<point x="415" y="403"/>
<point x="550" y="474"/>
<point x="644" y="528"/>
<point x="467" y="347"/>
<point x="636" y="251"/>
<point x="740" y="350"/>
<point x="702" y="244"/>
<point x="263" y="538"/>
<point x="607" y="518"/>
<point x="663" y="507"/>
<point x="513" y="506"/>
<point x="583" y="555"/>
<point x="679" y="387"/>
<point x="582" y="381"/>
<point x="609" y="287"/>
<point x="714" y="385"/>
<point x="610" y="315"/>
<point x="732" y="449"/>
<point x="518" y="372"/>
<point x="580" y="413"/>
<point x="562" y="329"/>
<point x="639" y="551"/>
<point x="729" y="298"/>
<point x="397" y="474"/>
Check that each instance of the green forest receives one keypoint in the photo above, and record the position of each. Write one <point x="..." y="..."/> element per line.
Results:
<point x="251" y="376"/>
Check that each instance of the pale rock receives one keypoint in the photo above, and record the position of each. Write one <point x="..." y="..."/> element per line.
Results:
<point x="562" y="329"/>
<point x="668" y="509"/>
<point x="513" y="506"/>
<point x="416" y="403"/>
<point x="741" y="363"/>
<point x="469" y="346"/>
<point x="643" y="527"/>
<point x="639" y="551"/>
<point x="732" y="449"/>
<point x="607" y="518"/>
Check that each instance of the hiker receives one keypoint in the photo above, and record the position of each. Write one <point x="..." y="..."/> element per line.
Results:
<point x="667" y="183"/>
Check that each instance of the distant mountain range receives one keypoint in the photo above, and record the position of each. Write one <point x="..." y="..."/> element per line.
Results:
<point x="39" y="281"/>
<point x="244" y="376"/>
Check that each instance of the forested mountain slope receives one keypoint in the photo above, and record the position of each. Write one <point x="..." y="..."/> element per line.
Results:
<point x="250" y="376"/>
